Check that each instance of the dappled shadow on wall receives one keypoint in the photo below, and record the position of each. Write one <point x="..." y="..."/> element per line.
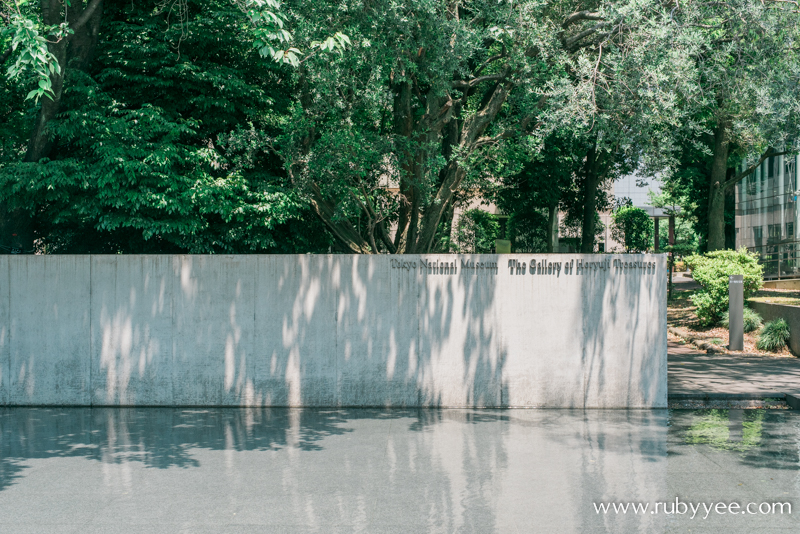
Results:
<point x="351" y="334"/>
<point x="335" y="330"/>
<point x="623" y="354"/>
<point x="294" y="331"/>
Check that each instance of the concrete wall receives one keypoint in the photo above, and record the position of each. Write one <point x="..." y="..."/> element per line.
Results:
<point x="770" y="312"/>
<point x="334" y="330"/>
<point x="782" y="284"/>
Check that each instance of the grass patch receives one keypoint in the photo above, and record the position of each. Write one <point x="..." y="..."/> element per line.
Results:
<point x="773" y="336"/>
<point x="752" y="320"/>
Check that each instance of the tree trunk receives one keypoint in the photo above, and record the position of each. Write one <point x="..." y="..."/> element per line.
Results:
<point x="343" y="231"/>
<point x="716" y="193"/>
<point x="420" y="216"/>
<point x="409" y="199"/>
<point x="590" y="201"/>
<point x="468" y="140"/>
<point x="552" y="228"/>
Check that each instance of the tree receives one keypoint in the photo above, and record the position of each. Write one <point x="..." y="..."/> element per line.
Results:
<point x="71" y="47"/>
<point x="632" y="227"/>
<point x="748" y="67"/>
<point x="162" y="144"/>
<point x="438" y="98"/>
<point x="427" y="91"/>
<point x="532" y="198"/>
<point x="138" y="143"/>
<point x="674" y="204"/>
<point x="686" y="186"/>
<point x="434" y="101"/>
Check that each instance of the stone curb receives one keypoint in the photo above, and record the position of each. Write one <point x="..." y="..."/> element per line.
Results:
<point x="727" y="396"/>
<point x="710" y="348"/>
<point x="792" y="399"/>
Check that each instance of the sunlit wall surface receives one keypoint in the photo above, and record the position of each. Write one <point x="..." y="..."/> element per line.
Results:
<point x="767" y="215"/>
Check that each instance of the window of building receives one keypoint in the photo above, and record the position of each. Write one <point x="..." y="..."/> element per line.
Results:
<point x="774" y="233"/>
<point x="789" y="230"/>
<point x="757" y="237"/>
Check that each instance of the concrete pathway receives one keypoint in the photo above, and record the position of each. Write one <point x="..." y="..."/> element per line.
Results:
<point x="692" y="372"/>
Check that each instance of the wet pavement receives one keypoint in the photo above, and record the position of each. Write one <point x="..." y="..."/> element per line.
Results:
<point x="278" y="470"/>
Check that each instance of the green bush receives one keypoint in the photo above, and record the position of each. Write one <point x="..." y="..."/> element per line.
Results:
<point x="476" y="232"/>
<point x="752" y="320"/>
<point x="711" y="271"/>
<point x="774" y="335"/>
<point x="632" y="227"/>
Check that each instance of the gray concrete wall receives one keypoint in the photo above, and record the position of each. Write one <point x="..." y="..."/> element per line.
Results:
<point x="770" y="312"/>
<point x="334" y="330"/>
<point x="782" y="284"/>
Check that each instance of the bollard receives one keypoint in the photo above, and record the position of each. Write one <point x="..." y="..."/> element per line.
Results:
<point x="736" y="312"/>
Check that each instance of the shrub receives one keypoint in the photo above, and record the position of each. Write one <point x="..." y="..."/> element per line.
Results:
<point x="752" y="320"/>
<point x="774" y="335"/>
<point x="632" y="227"/>
<point x="711" y="271"/>
<point x="476" y="232"/>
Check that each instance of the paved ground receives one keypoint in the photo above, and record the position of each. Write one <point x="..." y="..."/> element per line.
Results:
<point x="329" y="471"/>
<point x="695" y="372"/>
<point x="691" y="371"/>
<point x="683" y="283"/>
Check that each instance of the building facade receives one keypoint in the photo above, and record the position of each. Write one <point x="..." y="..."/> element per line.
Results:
<point x="767" y="215"/>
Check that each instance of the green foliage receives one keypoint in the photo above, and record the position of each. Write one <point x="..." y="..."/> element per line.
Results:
<point x="550" y="179"/>
<point x="268" y="22"/>
<point x="746" y="55"/>
<point x="476" y="232"/>
<point x="752" y="320"/>
<point x="176" y="135"/>
<point x="195" y="173"/>
<point x="632" y="227"/>
<point x="32" y="58"/>
<point x="527" y="230"/>
<point x="774" y="336"/>
<point x="572" y="223"/>
<point x="674" y="203"/>
<point x="712" y="270"/>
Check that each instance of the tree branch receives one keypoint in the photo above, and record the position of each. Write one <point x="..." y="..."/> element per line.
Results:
<point x="461" y="84"/>
<point x="343" y="231"/>
<point x="490" y="60"/>
<point x="515" y="130"/>
<point x="579" y="16"/>
<point x="736" y="178"/>
<point x="384" y="235"/>
<point x="86" y="14"/>
<point x="442" y="116"/>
